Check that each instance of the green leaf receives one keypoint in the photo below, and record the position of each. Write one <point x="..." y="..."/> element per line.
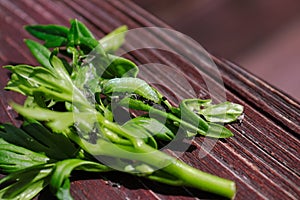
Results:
<point x="35" y="137"/>
<point x="53" y="35"/>
<point x="196" y="104"/>
<point x="140" y="132"/>
<point x="131" y="86"/>
<point x="214" y="131"/>
<point x="41" y="83"/>
<point x="218" y="131"/>
<point x="154" y="127"/>
<point x="36" y="76"/>
<point x="63" y="192"/>
<point x="114" y="137"/>
<point x="108" y="66"/>
<point x="87" y="80"/>
<point x="60" y="183"/>
<point x="55" y="146"/>
<point x="79" y="33"/>
<point x="18" y="83"/>
<point x="225" y="112"/>
<point x="60" y="70"/>
<point x="82" y="29"/>
<point x="134" y="104"/>
<point x="120" y="67"/>
<point x="114" y="40"/>
<point x="73" y="34"/>
<point x="26" y="183"/>
<point x="40" y="52"/>
<point x="55" y="42"/>
<point x="187" y="113"/>
<point x="54" y="83"/>
<point x="88" y="44"/>
<point x="14" y="158"/>
<point x="57" y="121"/>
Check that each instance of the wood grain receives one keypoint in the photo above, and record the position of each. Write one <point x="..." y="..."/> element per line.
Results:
<point x="262" y="157"/>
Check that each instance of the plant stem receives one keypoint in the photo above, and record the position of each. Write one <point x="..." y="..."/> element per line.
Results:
<point x="187" y="175"/>
<point x="176" y="119"/>
<point x="192" y="177"/>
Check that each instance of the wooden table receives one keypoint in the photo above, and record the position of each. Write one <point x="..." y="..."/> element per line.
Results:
<point x="263" y="156"/>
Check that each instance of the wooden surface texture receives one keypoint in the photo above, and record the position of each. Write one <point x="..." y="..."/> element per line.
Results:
<point x="263" y="156"/>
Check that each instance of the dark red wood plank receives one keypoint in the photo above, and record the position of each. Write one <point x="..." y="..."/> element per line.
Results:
<point x="263" y="156"/>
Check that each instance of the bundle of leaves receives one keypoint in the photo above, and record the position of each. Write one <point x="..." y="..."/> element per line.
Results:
<point x="70" y="119"/>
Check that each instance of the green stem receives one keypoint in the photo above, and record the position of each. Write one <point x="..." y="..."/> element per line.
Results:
<point x="140" y="151"/>
<point x="189" y="176"/>
<point x="192" y="177"/>
<point x="200" y="128"/>
<point x="185" y="175"/>
<point x="176" y="119"/>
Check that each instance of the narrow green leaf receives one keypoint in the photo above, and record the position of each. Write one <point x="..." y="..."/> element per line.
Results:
<point x="134" y="104"/>
<point x="114" y="137"/>
<point x="55" y="42"/>
<point x="114" y="40"/>
<point x="59" y="183"/>
<point x="40" y="52"/>
<point x="79" y="34"/>
<point x="73" y="34"/>
<point x="218" y="131"/>
<point x="56" y="146"/>
<point x="58" y="121"/>
<point x="91" y="43"/>
<point x="60" y="69"/>
<point x="21" y="138"/>
<point x="35" y="137"/>
<point x="188" y="114"/>
<point x="25" y="184"/>
<point x="154" y="127"/>
<point x="225" y="112"/>
<point x="140" y="132"/>
<point x="83" y="30"/>
<point x="53" y="35"/>
<point x="36" y="76"/>
<point x="130" y="85"/>
<point x="63" y="193"/>
<point x="108" y="66"/>
<point x="120" y="67"/>
<point x="15" y="82"/>
<point x="14" y="158"/>
<point x="41" y="83"/>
